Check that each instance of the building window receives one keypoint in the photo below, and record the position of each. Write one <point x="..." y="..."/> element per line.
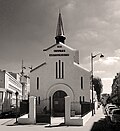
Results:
<point x="36" y="100"/>
<point x="83" y="99"/>
<point x="82" y="83"/>
<point x="56" y="70"/>
<point x="37" y="83"/>
<point x="80" y="99"/>
<point x="62" y="70"/>
<point x="59" y="70"/>
<point x="39" y="100"/>
<point x="1" y="96"/>
<point x="8" y="95"/>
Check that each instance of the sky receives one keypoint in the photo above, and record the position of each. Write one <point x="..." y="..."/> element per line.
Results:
<point x="91" y="26"/>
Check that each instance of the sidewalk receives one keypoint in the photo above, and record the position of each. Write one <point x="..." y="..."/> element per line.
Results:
<point x="97" y="117"/>
<point x="56" y="124"/>
<point x="57" y="120"/>
<point x="10" y="121"/>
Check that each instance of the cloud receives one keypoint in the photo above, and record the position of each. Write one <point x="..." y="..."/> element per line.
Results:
<point x="114" y="59"/>
<point x="71" y="5"/>
<point x="107" y="79"/>
<point x="107" y="83"/>
<point x="87" y="34"/>
<point x="111" y="60"/>
<point x="113" y="8"/>
<point x="95" y="28"/>
<point x="100" y="72"/>
<point x="107" y="66"/>
<point x="117" y="52"/>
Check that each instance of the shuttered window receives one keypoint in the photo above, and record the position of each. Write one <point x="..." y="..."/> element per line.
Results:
<point x="37" y="83"/>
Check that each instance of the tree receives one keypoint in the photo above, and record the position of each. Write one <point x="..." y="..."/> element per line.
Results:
<point x="98" y="87"/>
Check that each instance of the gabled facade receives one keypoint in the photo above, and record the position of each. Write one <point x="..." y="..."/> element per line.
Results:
<point x="59" y="76"/>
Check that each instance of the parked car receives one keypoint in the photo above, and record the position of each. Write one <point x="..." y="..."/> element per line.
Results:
<point x="108" y="106"/>
<point x="115" y="116"/>
<point x="110" y="109"/>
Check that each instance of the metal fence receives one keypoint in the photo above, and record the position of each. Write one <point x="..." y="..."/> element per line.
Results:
<point x="43" y="113"/>
<point x="85" y="108"/>
<point x="80" y="108"/>
<point x="24" y="107"/>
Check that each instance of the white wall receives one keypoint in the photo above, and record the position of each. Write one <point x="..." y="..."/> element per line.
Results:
<point x="72" y="77"/>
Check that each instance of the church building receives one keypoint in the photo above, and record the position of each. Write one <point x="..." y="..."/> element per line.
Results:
<point x="59" y="76"/>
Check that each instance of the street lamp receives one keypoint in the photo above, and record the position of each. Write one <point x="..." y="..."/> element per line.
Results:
<point x="92" y="57"/>
<point x="16" y="93"/>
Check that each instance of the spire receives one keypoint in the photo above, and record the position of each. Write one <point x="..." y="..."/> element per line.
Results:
<point x="60" y="31"/>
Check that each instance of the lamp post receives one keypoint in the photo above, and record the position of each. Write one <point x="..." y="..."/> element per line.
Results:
<point x="92" y="67"/>
<point x="16" y="105"/>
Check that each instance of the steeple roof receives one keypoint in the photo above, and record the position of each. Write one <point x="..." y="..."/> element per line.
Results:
<point x="60" y="30"/>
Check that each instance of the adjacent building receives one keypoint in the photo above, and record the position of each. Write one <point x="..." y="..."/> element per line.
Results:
<point x="59" y="76"/>
<point x="115" y="94"/>
<point x="9" y="85"/>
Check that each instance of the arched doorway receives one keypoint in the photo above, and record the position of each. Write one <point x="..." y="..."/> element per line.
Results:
<point x="59" y="103"/>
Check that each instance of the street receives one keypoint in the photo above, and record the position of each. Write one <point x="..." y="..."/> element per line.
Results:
<point x="98" y="122"/>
